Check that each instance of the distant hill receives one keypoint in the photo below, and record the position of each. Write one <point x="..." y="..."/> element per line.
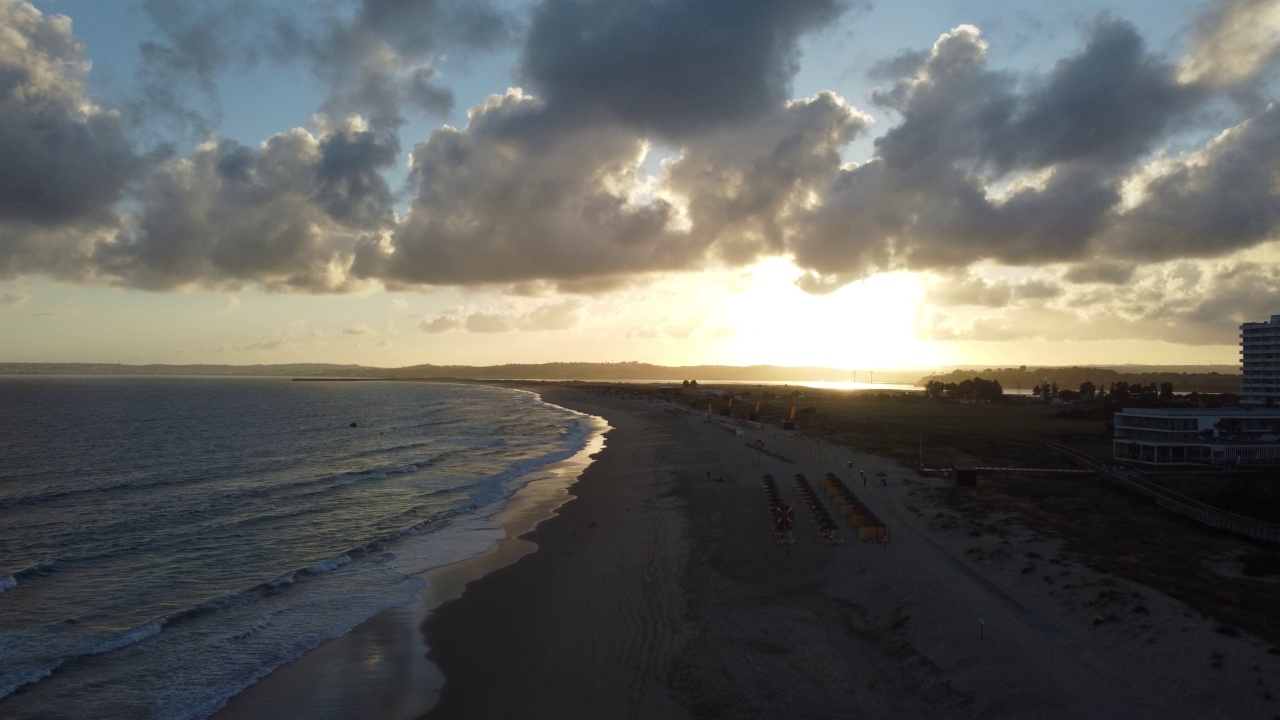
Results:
<point x="1185" y="378"/>
<point x="1024" y="378"/>
<point x="539" y="371"/>
<point x="635" y="371"/>
<point x="295" y="369"/>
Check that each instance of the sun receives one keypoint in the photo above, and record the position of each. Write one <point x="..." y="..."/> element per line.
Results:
<point x="873" y="323"/>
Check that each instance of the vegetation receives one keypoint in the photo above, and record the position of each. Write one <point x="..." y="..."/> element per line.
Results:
<point x="1052" y="380"/>
<point x="908" y="426"/>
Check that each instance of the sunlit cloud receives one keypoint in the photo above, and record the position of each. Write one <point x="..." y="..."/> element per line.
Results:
<point x="1110" y="190"/>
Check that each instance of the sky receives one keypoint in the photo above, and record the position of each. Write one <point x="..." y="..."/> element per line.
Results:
<point x="848" y="184"/>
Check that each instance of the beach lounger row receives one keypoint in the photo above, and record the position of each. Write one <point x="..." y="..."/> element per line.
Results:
<point x="817" y="512"/>
<point x="773" y="498"/>
<point x="758" y="444"/>
<point x="856" y="513"/>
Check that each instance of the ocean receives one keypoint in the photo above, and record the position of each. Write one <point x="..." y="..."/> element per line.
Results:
<point x="166" y="542"/>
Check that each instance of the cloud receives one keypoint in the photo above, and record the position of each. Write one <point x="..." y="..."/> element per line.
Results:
<point x="286" y="215"/>
<point x="555" y="316"/>
<point x="483" y="322"/>
<point x="928" y="198"/>
<point x="513" y="198"/>
<point x="552" y="316"/>
<point x="674" y="69"/>
<point x="553" y="189"/>
<point x="66" y="160"/>
<point x="744" y="191"/>
<point x="970" y="290"/>
<point x="974" y="289"/>
<point x="378" y="58"/>
<point x="1221" y="199"/>
<point x="1233" y="40"/>
<point x="384" y="57"/>
<point x="440" y="324"/>
<point x="1100" y="272"/>
<point x="1180" y="302"/>
<point x="18" y="293"/>
<point x="260" y="345"/>
<point x="179" y="68"/>
<point x="358" y="330"/>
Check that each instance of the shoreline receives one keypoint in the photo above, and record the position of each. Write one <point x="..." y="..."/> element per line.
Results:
<point x="656" y="593"/>
<point x="379" y="668"/>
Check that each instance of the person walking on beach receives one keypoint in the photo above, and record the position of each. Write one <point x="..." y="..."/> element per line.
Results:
<point x="863" y="473"/>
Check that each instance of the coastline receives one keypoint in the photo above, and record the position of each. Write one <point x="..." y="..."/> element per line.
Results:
<point x="655" y="593"/>
<point x="379" y="668"/>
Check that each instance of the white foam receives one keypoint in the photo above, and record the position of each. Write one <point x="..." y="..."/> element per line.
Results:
<point x="165" y="679"/>
<point x="11" y="681"/>
<point x="128" y="637"/>
<point x="286" y="579"/>
<point x="329" y="565"/>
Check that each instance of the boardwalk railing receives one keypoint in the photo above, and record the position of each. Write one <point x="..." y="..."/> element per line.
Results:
<point x="1207" y="514"/>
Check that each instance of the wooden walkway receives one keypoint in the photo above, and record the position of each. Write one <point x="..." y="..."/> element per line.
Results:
<point x="1139" y="481"/>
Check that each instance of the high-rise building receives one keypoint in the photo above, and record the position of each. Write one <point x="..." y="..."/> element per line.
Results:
<point x="1260" y="362"/>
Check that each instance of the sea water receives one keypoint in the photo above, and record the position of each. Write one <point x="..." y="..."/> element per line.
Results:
<point x="165" y="542"/>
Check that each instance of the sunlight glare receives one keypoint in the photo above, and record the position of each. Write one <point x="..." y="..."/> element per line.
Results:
<point x="869" y="324"/>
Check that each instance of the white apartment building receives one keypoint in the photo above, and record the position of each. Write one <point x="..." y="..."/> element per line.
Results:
<point x="1260" y="362"/>
<point x="1205" y="436"/>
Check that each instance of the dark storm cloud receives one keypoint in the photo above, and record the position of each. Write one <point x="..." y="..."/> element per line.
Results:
<point x="667" y="66"/>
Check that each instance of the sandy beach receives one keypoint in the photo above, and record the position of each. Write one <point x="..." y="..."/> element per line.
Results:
<point x="655" y="592"/>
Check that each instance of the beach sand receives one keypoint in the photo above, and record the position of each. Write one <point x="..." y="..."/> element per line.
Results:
<point x="657" y="593"/>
